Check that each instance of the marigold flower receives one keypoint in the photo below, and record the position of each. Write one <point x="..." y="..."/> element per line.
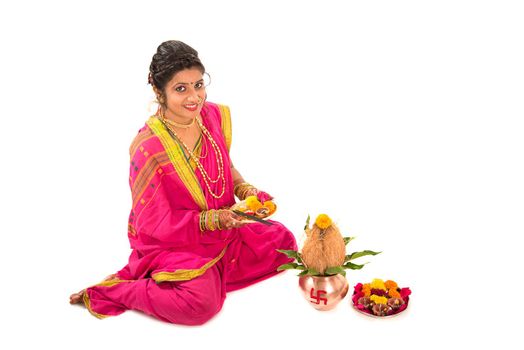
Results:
<point x="253" y="203"/>
<point x="378" y="300"/>
<point x="323" y="221"/>
<point x="391" y="284"/>
<point x="377" y="283"/>
<point x="366" y="289"/>
<point x="393" y="293"/>
<point x="271" y="206"/>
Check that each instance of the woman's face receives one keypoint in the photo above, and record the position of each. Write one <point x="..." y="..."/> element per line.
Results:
<point x="185" y="94"/>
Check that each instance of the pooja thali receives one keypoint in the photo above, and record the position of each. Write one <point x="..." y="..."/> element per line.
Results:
<point x="380" y="299"/>
<point x="252" y="210"/>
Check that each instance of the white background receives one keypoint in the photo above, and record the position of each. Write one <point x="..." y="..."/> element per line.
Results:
<point x="400" y="119"/>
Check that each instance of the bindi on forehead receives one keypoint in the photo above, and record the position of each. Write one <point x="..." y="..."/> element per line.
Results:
<point x="190" y="83"/>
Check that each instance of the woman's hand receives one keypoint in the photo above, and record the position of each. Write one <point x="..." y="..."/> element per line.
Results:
<point x="228" y="219"/>
<point x="261" y="195"/>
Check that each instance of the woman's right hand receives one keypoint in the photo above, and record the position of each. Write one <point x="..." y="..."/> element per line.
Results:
<point x="228" y="220"/>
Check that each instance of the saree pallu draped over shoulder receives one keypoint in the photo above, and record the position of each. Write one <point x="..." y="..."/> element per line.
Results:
<point x="176" y="272"/>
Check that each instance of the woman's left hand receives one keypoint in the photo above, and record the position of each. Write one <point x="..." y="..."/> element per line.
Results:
<point x="228" y="219"/>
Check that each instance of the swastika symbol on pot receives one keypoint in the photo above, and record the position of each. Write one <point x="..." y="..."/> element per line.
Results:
<point x="318" y="297"/>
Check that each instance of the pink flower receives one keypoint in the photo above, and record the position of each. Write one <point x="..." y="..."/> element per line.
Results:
<point x="263" y="196"/>
<point x="405" y="293"/>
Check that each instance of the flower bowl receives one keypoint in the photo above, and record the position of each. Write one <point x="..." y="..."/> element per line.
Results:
<point x="380" y="299"/>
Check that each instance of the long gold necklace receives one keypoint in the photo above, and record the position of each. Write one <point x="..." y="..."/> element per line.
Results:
<point x="218" y="156"/>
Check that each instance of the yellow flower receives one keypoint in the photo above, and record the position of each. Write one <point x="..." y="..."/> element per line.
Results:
<point x="323" y="221"/>
<point x="378" y="300"/>
<point x="252" y="203"/>
<point x="377" y="283"/>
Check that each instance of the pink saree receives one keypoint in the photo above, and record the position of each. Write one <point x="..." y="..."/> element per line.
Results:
<point x="175" y="272"/>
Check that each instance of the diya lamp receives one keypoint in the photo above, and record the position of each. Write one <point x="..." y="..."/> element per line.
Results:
<point x="323" y="262"/>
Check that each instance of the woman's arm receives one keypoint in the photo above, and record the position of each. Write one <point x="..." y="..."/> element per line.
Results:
<point x="237" y="177"/>
<point x="242" y="188"/>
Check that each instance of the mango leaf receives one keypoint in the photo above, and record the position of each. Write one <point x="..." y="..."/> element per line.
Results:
<point x="287" y="266"/>
<point x="312" y="272"/>
<point x="352" y="266"/>
<point x="359" y="254"/>
<point x="307" y="222"/>
<point x="291" y="254"/>
<point x="335" y="271"/>
<point x="348" y="239"/>
<point x="309" y="272"/>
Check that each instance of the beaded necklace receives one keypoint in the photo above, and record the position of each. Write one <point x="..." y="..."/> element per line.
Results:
<point x="218" y="157"/>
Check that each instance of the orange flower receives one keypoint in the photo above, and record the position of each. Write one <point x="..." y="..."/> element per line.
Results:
<point x="393" y="293"/>
<point x="366" y="289"/>
<point x="391" y="284"/>
<point x="271" y="206"/>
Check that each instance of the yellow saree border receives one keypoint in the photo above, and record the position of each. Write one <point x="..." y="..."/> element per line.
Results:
<point x="109" y="283"/>
<point x="177" y="157"/>
<point x="225" y="113"/>
<point x="186" y="274"/>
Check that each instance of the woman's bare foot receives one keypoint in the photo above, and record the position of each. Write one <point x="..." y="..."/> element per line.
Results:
<point x="78" y="297"/>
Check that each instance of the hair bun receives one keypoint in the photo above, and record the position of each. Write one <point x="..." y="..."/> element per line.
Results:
<point x="171" y="57"/>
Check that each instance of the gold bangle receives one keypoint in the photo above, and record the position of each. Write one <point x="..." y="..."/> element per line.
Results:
<point x="206" y="213"/>
<point x="210" y="226"/>
<point x="239" y="185"/>
<point x="217" y="219"/>
<point x="237" y="188"/>
<point x="201" y="221"/>
<point x="241" y="189"/>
